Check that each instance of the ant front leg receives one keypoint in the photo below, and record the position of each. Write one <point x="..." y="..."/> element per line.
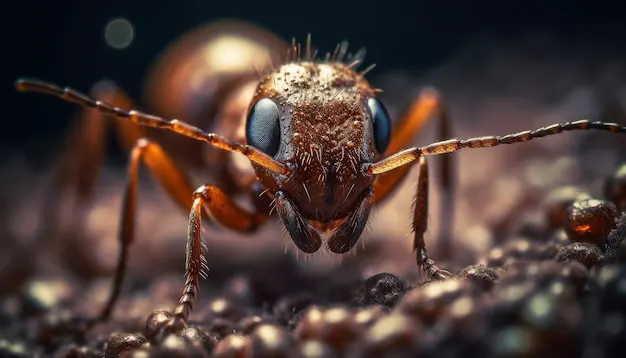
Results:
<point x="176" y="184"/>
<point x="227" y="213"/>
<point x="426" y="106"/>
<point x="420" y="224"/>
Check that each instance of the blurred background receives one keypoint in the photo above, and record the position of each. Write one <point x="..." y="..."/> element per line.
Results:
<point x="501" y="65"/>
<point x="64" y="41"/>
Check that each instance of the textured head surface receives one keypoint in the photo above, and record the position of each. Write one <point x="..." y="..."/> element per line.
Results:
<point x="326" y="131"/>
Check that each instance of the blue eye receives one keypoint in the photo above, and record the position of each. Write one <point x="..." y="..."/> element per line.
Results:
<point x="263" y="128"/>
<point x="382" y="124"/>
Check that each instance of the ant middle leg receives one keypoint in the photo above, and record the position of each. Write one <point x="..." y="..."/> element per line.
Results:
<point x="426" y="106"/>
<point x="172" y="179"/>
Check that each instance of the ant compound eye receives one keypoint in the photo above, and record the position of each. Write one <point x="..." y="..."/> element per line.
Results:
<point x="382" y="124"/>
<point x="263" y="128"/>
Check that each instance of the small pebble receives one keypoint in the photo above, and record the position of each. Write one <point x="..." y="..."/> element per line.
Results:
<point x="222" y="308"/>
<point x="393" y="335"/>
<point x="369" y="315"/>
<point x="177" y="350"/>
<point x="272" y="341"/>
<point x="496" y="257"/>
<point x="316" y="349"/>
<point x="221" y="327"/>
<point x="431" y="301"/>
<point x="289" y="306"/>
<point x="523" y="248"/>
<point x="174" y="342"/>
<point x="155" y="324"/>
<point x="482" y="276"/>
<point x="74" y="351"/>
<point x="139" y="353"/>
<point x="44" y="294"/>
<point x="198" y="338"/>
<point x="590" y="220"/>
<point x="335" y="326"/>
<point x="557" y="202"/>
<point x="383" y="289"/>
<point x="583" y="252"/>
<point x="247" y="324"/>
<point x="616" y="242"/>
<point x="124" y="342"/>
<point x="233" y="346"/>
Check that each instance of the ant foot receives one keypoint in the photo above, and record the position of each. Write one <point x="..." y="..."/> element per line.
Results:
<point x="441" y="275"/>
<point x="427" y="266"/>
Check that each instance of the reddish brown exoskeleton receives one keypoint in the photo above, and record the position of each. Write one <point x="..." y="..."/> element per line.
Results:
<point x="321" y="145"/>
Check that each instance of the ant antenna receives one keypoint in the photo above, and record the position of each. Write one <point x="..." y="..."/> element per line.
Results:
<point x="144" y="119"/>
<point x="452" y="145"/>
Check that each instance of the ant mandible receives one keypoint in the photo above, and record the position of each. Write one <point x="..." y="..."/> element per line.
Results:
<point x="320" y="143"/>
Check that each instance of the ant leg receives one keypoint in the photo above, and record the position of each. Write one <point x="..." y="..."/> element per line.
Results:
<point x="171" y="178"/>
<point x="425" y="107"/>
<point x="224" y="211"/>
<point x="420" y="225"/>
<point x="446" y="180"/>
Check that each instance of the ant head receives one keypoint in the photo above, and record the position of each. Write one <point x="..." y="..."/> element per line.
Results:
<point x="323" y="120"/>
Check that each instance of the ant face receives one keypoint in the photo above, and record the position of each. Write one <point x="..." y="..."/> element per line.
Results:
<point x="323" y="120"/>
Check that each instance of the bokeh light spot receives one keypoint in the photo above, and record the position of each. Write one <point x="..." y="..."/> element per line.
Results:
<point x="119" y="33"/>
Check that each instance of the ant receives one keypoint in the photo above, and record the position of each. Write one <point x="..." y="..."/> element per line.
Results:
<point x="321" y="144"/>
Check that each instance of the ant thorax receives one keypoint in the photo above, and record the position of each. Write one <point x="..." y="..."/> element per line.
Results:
<point x="315" y="116"/>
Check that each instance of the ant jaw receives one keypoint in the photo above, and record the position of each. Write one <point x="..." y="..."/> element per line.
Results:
<point x="346" y="235"/>
<point x="303" y="234"/>
<point x="306" y="236"/>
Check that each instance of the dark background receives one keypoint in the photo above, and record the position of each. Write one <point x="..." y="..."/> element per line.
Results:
<point x="63" y="41"/>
